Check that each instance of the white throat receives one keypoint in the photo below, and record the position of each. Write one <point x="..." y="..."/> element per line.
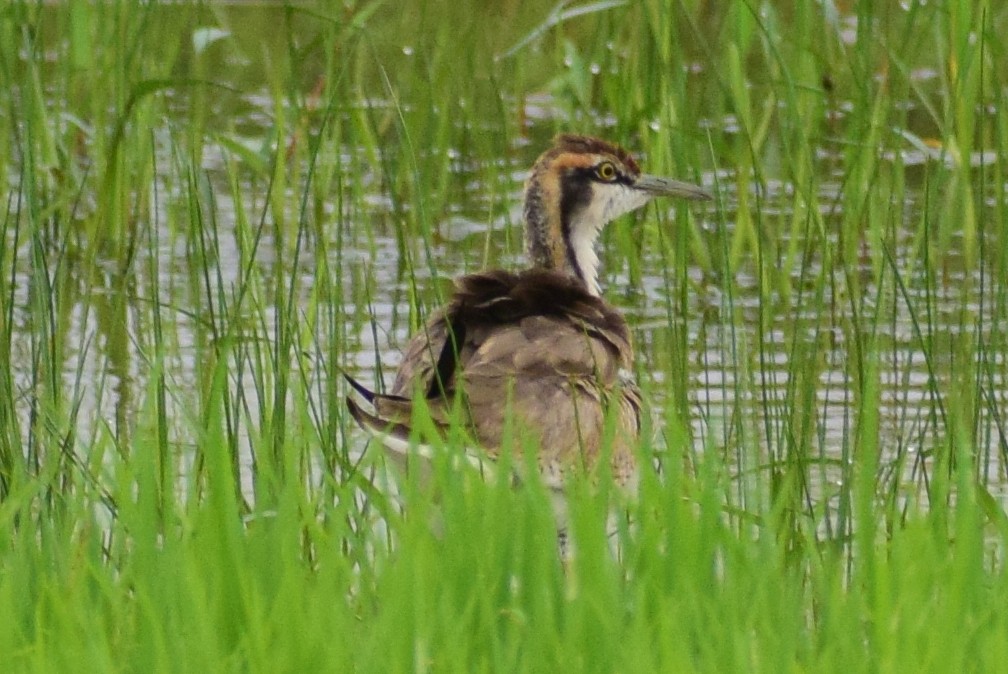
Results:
<point x="583" y="237"/>
<point x="587" y="225"/>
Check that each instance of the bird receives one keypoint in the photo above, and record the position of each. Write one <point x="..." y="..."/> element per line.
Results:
<point x="536" y="357"/>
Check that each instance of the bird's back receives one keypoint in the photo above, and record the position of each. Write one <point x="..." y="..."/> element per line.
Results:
<point x="533" y="356"/>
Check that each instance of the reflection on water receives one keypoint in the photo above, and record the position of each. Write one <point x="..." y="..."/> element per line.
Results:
<point x="733" y="360"/>
<point x="755" y="362"/>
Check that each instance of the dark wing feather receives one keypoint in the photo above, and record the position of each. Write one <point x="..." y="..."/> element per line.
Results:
<point x="532" y="351"/>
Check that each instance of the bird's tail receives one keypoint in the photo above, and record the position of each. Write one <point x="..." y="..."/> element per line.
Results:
<point x="389" y="422"/>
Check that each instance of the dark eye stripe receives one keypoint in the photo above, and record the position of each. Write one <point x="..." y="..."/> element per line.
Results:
<point x="575" y="194"/>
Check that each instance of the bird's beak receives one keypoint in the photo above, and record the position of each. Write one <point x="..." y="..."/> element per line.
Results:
<point x="666" y="187"/>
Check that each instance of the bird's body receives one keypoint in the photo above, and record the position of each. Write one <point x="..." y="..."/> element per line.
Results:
<point x="536" y="358"/>
<point x="539" y="360"/>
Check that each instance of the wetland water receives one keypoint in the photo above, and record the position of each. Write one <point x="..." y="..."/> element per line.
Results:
<point x="758" y="351"/>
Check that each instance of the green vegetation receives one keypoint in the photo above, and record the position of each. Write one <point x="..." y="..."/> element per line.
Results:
<point x="212" y="210"/>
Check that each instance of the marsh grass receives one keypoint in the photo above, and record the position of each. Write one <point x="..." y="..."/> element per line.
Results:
<point x="203" y="230"/>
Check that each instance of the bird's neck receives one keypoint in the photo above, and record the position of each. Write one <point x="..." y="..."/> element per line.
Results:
<point x="561" y="241"/>
<point x="581" y="258"/>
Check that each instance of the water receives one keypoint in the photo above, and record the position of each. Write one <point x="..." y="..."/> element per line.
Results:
<point x="727" y="342"/>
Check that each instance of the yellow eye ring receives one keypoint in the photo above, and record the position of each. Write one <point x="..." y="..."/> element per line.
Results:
<point x="606" y="171"/>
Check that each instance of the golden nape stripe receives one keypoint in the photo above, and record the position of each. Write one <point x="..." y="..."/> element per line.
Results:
<point x="538" y="349"/>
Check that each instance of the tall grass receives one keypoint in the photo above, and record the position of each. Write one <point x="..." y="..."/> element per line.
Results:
<point x="213" y="210"/>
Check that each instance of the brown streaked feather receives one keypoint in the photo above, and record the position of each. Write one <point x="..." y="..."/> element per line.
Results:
<point x="536" y="350"/>
<point x="580" y="145"/>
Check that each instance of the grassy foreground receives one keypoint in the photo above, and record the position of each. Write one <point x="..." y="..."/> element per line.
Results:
<point x="212" y="209"/>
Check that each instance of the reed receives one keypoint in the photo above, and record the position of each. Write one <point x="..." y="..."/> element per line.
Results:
<point x="213" y="210"/>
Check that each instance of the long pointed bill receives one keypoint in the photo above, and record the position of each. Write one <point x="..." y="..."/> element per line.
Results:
<point x="666" y="187"/>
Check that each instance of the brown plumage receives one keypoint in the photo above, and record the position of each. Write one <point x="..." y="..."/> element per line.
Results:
<point x="537" y="354"/>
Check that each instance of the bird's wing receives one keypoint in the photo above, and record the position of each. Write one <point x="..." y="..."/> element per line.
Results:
<point x="525" y="325"/>
<point x="536" y="360"/>
<point x="548" y="380"/>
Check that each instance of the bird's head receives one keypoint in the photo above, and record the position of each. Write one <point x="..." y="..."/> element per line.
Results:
<point x="576" y="188"/>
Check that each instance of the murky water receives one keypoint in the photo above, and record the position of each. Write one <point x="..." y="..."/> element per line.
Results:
<point x="726" y="344"/>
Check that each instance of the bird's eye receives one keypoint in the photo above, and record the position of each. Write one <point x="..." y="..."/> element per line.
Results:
<point x="606" y="171"/>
